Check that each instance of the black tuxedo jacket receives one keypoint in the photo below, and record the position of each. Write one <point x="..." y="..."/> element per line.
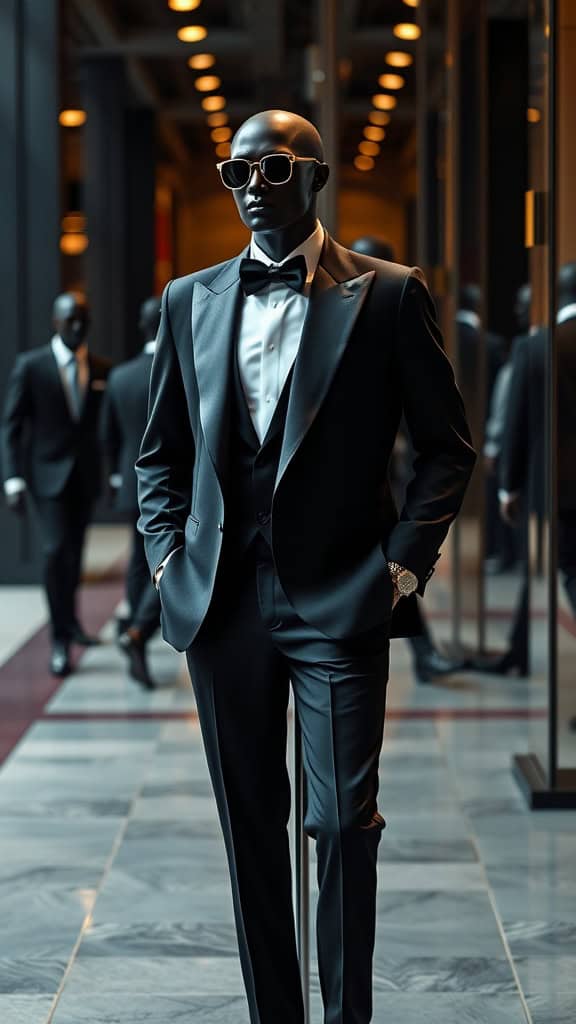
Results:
<point x="124" y="416"/>
<point x="370" y="351"/>
<point x="523" y="457"/>
<point x="41" y="441"/>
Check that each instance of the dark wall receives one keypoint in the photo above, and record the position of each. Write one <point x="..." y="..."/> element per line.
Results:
<point x="507" y="170"/>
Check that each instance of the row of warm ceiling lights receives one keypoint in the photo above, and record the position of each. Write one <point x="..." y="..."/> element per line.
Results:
<point x="213" y="103"/>
<point x="383" y="102"/>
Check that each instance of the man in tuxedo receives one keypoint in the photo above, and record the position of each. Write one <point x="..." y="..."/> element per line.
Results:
<point x="124" y="417"/>
<point x="277" y="389"/>
<point x="50" y="442"/>
<point x="471" y="336"/>
<point x="523" y="464"/>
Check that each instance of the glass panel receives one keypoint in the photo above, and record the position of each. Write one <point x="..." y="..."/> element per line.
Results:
<point x="565" y="425"/>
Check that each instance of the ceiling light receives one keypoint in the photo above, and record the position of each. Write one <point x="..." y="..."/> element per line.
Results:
<point x="399" y="59"/>
<point x="217" y="120"/>
<point x="73" y="244"/>
<point x="363" y="163"/>
<point x="374" y="134"/>
<point x="368" y="148"/>
<point x="533" y="115"/>
<point x="211" y="103"/>
<point x="379" y="117"/>
<point x="207" y="83"/>
<point x="201" y="61"/>
<point x="412" y="3"/>
<point x="223" y="150"/>
<point x="383" y="102"/>
<point x="221" y="134"/>
<point x="72" y="118"/>
<point x="184" y="5"/>
<point x="192" y="33"/>
<point x="407" y="30"/>
<point x="391" y="82"/>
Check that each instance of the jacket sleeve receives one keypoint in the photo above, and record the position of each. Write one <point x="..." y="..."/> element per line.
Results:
<point x="17" y="411"/>
<point x="436" y="420"/>
<point x="110" y="432"/>
<point x="165" y="466"/>
<point x="516" y="439"/>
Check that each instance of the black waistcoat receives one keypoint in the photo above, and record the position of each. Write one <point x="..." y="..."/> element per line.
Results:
<point x="252" y="468"/>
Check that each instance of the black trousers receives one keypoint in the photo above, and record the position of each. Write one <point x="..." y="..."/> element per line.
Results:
<point x="250" y="648"/>
<point x="142" y="595"/>
<point x="62" y="521"/>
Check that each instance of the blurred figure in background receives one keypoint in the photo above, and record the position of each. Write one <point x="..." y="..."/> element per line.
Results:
<point x="503" y="545"/>
<point x="428" y="662"/>
<point x="51" y="451"/>
<point x="124" y="416"/>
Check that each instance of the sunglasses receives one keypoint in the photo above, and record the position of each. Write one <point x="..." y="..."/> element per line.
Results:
<point x="276" y="169"/>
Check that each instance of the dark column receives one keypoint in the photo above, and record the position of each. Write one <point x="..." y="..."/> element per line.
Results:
<point x="29" y="212"/>
<point x="507" y="172"/>
<point x="104" y="91"/>
<point x="140" y="176"/>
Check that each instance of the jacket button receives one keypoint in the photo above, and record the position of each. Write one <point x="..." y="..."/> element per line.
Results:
<point x="221" y="527"/>
<point x="263" y="518"/>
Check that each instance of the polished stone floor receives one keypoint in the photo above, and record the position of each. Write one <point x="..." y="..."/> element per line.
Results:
<point x="114" y="900"/>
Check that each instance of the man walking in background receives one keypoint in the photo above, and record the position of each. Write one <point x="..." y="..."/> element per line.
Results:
<point x="277" y="389"/>
<point x="123" y="421"/>
<point x="51" y="450"/>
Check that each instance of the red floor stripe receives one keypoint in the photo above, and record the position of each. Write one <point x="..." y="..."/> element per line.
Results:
<point x="26" y="685"/>
<point x="393" y="713"/>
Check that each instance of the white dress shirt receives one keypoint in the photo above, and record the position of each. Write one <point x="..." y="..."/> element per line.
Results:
<point x="65" y="360"/>
<point x="270" y="331"/>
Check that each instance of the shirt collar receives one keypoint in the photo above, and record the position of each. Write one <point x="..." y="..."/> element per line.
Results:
<point x="467" y="316"/>
<point x="310" y="249"/>
<point x="64" y="355"/>
<point x="566" y="313"/>
<point x="150" y="347"/>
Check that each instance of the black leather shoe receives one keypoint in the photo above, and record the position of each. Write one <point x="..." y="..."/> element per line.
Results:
<point x="59" y="660"/>
<point x="137" y="664"/>
<point x="502" y="665"/>
<point x="432" y="665"/>
<point x="78" y="636"/>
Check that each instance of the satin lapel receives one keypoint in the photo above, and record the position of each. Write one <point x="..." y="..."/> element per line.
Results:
<point x="332" y="312"/>
<point x="214" y="318"/>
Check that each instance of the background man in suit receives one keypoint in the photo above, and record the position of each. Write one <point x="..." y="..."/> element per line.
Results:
<point x="277" y="389"/>
<point x="124" y="417"/>
<point x="51" y="449"/>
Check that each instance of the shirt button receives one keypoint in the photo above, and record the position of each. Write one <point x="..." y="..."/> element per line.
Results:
<point x="270" y="347"/>
<point x="268" y="399"/>
<point x="221" y="527"/>
<point x="274" y="305"/>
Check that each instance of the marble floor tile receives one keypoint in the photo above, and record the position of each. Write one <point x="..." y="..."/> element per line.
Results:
<point x="64" y="807"/>
<point x="29" y="974"/>
<point x="447" y="1008"/>
<point x="128" y="900"/>
<point x="539" y="974"/>
<point x="25" y="1009"/>
<point x="541" y="938"/>
<point x="131" y="1007"/>
<point x="195" y="976"/>
<point x="552" y="1008"/>
<point x="435" y="974"/>
<point x="159" y="939"/>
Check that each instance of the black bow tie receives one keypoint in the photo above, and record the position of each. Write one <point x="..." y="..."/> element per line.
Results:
<point x="255" y="275"/>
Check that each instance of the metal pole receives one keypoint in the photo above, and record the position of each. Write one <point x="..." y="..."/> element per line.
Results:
<point x="302" y="871"/>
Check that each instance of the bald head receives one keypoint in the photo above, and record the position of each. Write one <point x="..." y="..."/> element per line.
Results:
<point x="71" y="318"/>
<point x="282" y="128"/>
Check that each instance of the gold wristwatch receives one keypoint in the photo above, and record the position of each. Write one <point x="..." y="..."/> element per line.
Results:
<point x="404" y="580"/>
